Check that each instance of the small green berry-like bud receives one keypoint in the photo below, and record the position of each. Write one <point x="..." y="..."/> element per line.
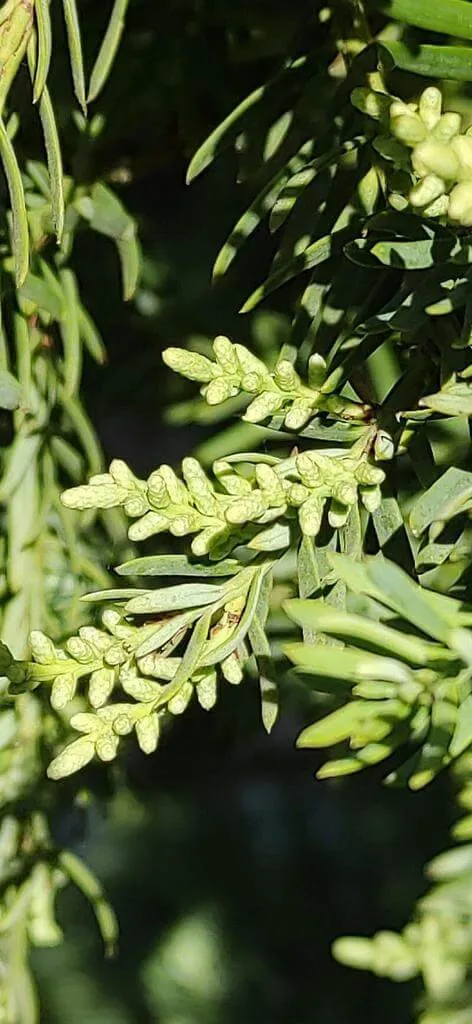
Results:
<point x="448" y="126"/>
<point x="460" y="205"/>
<point x="430" y="107"/>
<point x="435" y="158"/>
<point x="409" y="129"/>
<point x="427" y="190"/>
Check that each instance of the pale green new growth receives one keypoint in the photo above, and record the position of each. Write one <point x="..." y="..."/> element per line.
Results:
<point x="236" y="369"/>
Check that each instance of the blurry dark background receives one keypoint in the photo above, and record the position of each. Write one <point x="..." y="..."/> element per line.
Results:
<point x="230" y="867"/>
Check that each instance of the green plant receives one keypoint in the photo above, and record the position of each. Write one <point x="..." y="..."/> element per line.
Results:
<point x="366" y="520"/>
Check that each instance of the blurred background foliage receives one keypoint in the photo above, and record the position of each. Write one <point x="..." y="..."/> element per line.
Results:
<point x="231" y="870"/>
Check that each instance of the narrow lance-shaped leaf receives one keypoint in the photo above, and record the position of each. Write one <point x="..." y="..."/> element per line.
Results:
<point x="448" y="496"/>
<point x="82" y="877"/>
<point x="176" y="565"/>
<point x="75" y="51"/>
<point x="317" y="615"/>
<point x="44" y="48"/>
<point x="451" y="17"/>
<point x="20" y="233"/>
<point x="352" y="665"/>
<point x="313" y="255"/>
<point x="70" y="333"/>
<point x="190" y="660"/>
<point x="108" y="49"/>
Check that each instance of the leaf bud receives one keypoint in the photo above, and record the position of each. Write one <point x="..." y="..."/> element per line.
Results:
<point x="368" y="190"/>
<point x="207" y="690"/>
<point x="189" y="364"/>
<point x="253" y="383"/>
<point x="146" y="527"/>
<point x="462" y="146"/>
<point x="70" y="760"/>
<point x="42" y="648"/>
<point x="178" y="704"/>
<point x="203" y="543"/>
<point x="263" y="406"/>
<point x="267" y="478"/>
<point x="232" y="670"/>
<point x="297" y="494"/>
<point x="157" y="490"/>
<point x="135" y="506"/>
<point x="101" y="686"/>
<point x="408" y="129"/>
<point x="147" y="733"/>
<point x="438" y="208"/>
<point x="448" y="126"/>
<point x="365" y="473"/>
<point x="225" y="354"/>
<point x="384" y="448"/>
<point x="317" y="371"/>
<point x="310" y="515"/>
<point x="63" y="691"/>
<point x="338" y="514"/>
<point x="299" y="414"/>
<point x="308" y="470"/>
<point x="218" y="391"/>
<point x="246" y="509"/>
<point x="123" y="725"/>
<point x="345" y="492"/>
<point x="285" y="376"/>
<point x="371" y="497"/>
<point x="374" y="104"/>
<point x="123" y="476"/>
<point x="106" y="747"/>
<point x="435" y="158"/>
<point x="460" y="205"/>
<point x="427" y="190"/>
<point x="430" y="106"/>
<point x="80" y="650"/>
